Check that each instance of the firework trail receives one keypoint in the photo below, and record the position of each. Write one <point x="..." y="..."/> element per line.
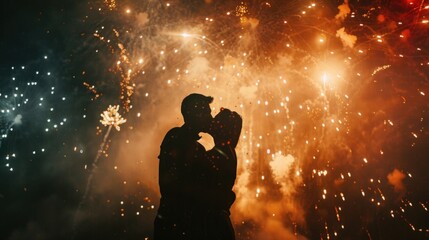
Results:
<point x="110" y="118"/>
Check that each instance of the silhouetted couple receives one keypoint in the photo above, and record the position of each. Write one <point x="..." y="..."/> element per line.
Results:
<point x="195" y="184"/>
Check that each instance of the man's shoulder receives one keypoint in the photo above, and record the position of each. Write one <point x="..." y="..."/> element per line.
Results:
<point x="174" y="132"/>
<point x="173" y="135"/>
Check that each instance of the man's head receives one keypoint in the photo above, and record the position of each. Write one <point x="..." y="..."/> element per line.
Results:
<point x="196" y="111"/>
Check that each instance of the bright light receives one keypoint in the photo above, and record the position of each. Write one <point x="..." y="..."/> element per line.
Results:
<point x="324" y="78"/>
<point x="185" y="35"/>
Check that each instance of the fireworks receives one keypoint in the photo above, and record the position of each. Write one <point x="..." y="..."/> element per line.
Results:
<point x="300" y="103"/>
<point x="333" y="98"/>
<point x="28" y="105"/>
<point x="111" y="117"/>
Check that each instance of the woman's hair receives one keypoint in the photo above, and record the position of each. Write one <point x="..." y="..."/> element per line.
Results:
<point x="226" y="127"/>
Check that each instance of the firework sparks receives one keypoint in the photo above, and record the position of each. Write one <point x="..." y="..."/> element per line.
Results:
<point x="111" y="117"/>
<point x="334" y="102"/>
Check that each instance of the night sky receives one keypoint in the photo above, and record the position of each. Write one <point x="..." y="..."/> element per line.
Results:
<point x="333" y="95"/>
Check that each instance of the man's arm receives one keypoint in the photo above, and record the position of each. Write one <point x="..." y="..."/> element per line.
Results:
<point x="169" y="165"/>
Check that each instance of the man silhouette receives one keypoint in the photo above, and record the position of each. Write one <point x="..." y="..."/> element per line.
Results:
<point x="176" y="218"/>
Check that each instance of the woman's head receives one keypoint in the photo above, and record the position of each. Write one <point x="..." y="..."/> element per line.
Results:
<point x="226" y="128"/>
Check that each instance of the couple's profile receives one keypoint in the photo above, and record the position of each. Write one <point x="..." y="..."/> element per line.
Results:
<point x="195" y="184"/>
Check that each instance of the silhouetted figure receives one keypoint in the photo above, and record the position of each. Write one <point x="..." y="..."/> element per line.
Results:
<point x="218" y="173"/>
<point x="195" y="184"/>
<point x="179" y="190"/>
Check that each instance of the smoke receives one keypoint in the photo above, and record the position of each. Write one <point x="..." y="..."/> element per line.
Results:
<point x="32" y="230"/>
<point x="344" y="11"/>
<point x="50" y="220"/>
<point x="271" y="99"/>
<point x="138" y="157"/>
<point x="236" y="84"/>
<point x="142" y="18"/>
<point x="396" y="179"/>
<point x="275" y="214"/>
<point x="281" y="167"/>
<point x="348" y="40"/>
<point x="198" y="68"/>
<point x="252" y="23"/>
<point x="17" y="120"/>
<point x="248" y="92"/>
<point x="257" y="65"/>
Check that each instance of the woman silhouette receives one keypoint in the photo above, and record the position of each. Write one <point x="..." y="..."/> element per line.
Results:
<point x="218" y="173"/>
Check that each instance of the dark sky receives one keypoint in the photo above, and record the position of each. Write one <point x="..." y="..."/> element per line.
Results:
<point x="39" y="197"/>
<point x="28" y="28"/>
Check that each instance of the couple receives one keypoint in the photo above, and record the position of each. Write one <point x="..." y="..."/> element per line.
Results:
<point x="195" y="184"/>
